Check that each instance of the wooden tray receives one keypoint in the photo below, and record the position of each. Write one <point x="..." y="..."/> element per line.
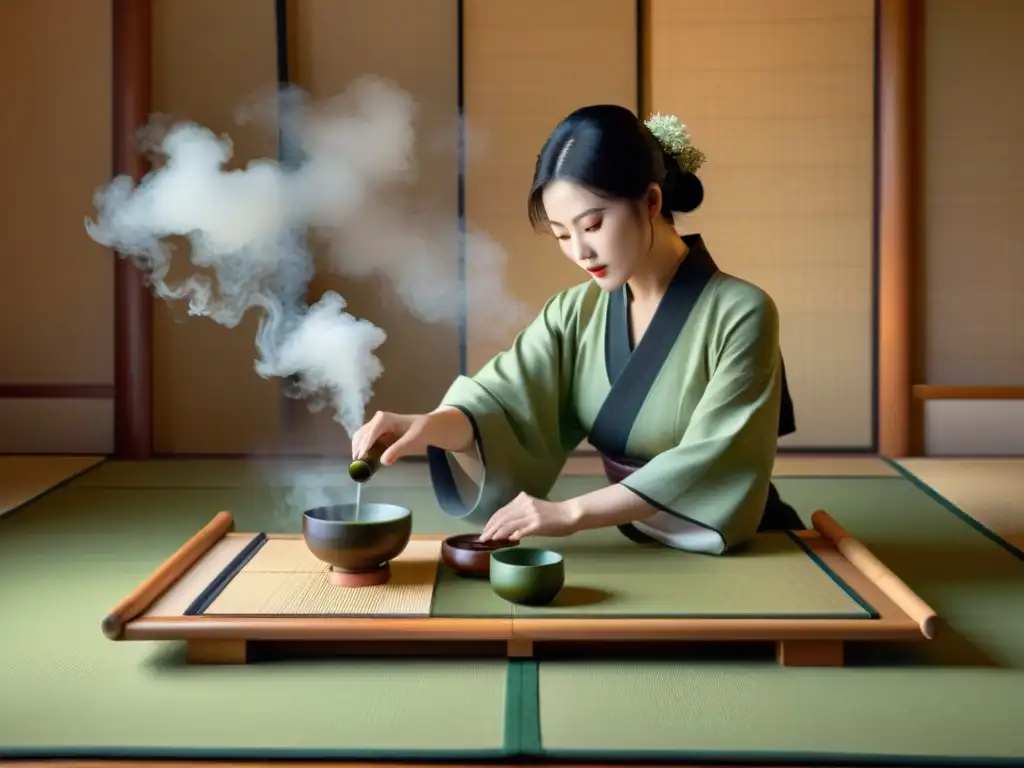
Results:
<point x="154" y="611"/>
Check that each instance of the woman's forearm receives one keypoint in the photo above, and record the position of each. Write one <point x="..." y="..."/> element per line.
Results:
<point x="614" y="505"/>
<point x="457" y="430"/>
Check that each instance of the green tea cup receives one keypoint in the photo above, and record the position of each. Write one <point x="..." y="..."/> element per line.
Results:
<point x="527" y="575"/>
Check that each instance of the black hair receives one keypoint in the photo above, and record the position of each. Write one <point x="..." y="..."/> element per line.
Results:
<point x="608" y="149"/>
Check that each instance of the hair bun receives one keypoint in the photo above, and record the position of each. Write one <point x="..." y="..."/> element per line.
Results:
<point x="687" y="193"/>
<point x="682" y="189"/>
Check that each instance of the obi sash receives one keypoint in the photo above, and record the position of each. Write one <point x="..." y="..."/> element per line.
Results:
<point x="778" y="515"/>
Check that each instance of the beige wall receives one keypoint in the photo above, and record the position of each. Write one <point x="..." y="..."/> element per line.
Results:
<point x="971" y="300"/>
<point x="56" y="285"/>
<point x="208" y="60"/>
<point x="415" y="45"/>
<point x="973" y="193"/>
<point x="526" y="66"/>
<point x="779" y="95"/>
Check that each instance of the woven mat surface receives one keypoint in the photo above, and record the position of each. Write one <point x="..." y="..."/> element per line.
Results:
<point x="958" y="695"/>
<point x="284" y="578"/>
<point x="66" y="689"/>
<point x="67" y="558"/>
<point x="606" y="574"/>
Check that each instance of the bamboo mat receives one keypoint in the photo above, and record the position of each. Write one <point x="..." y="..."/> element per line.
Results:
<point x="285" y="579"/>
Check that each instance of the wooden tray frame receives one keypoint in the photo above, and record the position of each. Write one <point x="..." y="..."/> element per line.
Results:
<point x="902" y="615"/>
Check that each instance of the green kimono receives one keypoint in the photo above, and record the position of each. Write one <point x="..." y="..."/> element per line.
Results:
<point x="695" y="407"/>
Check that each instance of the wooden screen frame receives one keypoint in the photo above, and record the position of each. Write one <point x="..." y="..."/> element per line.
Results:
<point x="898" y="24"/>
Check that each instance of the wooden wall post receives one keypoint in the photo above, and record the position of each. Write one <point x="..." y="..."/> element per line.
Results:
<point x="898" y="22"/>
<point x="133" y="305"/>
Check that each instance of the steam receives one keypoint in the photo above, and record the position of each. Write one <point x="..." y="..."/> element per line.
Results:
<point x="249" y="234"/>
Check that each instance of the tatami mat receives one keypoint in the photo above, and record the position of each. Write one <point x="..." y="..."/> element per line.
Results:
<point x="242" y="472"/>
<point x="69" y="557"/>
<point x="23" y="478"/>
<point x="228" y="472"/>
<point x="950" y="701"/>
<point x="786" y="465"/>
<point x="333" y="473"/>
<point x="792" y="465"/>
<point x="66" y="690"/>
<point x="989" y="490"/>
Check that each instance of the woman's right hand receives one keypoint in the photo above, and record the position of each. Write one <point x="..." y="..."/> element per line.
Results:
<point x="405" y="434"/>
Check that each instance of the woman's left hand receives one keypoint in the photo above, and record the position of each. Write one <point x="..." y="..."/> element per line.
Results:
<point x="527" y="516"/>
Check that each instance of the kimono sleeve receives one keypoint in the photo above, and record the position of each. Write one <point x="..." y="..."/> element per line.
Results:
<point x="712" y="487"/>
<point x="523" y="425"/>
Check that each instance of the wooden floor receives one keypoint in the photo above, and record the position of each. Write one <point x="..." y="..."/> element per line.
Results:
<point x="23" y="478"/>
<point x="990" y="490"/>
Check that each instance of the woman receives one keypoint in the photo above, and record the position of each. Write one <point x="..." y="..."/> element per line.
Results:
<point x="668" y="366"/>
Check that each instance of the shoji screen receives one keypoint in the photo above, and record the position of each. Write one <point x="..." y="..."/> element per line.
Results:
<point x="526" y="65"/>
<point x="779" y="94"/>
<point x="414" y="45"/>
<point x="209" y="59"/>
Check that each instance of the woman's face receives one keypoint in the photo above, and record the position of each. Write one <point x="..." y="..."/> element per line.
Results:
<point x="607" y="238"/>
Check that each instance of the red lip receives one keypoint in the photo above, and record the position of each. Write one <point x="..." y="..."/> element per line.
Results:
<point x="598" y="271"/>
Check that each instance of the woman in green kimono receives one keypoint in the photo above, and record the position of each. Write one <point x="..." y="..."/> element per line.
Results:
<point x="670" y="367"/>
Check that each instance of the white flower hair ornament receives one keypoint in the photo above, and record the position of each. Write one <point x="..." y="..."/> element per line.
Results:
<point x="675" y="140"/>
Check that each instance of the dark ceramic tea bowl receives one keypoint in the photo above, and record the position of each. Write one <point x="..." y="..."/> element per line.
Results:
<point x="527" y="575"/>
<point x="467" y="556"/>
<point x="378" y="536"/>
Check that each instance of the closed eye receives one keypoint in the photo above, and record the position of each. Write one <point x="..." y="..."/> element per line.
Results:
<point x="592" y="228"/>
